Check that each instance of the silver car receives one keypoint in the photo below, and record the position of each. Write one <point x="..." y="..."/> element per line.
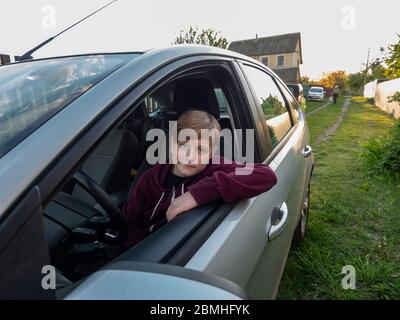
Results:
<point x="316" y="94"/>
<point x="73" y="141"/>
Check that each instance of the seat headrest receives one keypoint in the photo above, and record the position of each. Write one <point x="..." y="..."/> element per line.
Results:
<point x="197" y="94"/>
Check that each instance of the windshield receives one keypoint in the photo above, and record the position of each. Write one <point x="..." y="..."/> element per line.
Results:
<point x="32" y="92"/>
<point x="316" y="90"/>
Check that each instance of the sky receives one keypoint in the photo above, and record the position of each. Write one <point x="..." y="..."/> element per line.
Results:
<point x="335" y="35"/>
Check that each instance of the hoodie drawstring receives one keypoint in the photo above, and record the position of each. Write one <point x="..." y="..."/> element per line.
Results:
<point x="159" y="201"/>
<point x="154" y="211"/>
<point x="173" y="194"/>
<point x="155" y="208"/>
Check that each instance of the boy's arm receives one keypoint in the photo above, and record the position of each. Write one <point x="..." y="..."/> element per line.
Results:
<point x="225" y="184"/>
<point x="230" y="186"/>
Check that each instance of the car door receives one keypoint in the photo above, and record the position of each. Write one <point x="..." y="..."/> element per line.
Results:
<point x="254" y="226"/>
<point x="301" y="142"/>
<point x="36" y="167"/>
<point x="285" y="157"/>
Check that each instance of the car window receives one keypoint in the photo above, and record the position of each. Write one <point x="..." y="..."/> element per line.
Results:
<point x="32" y="92"/>
<point x="153" y="105"/>
<point x="272" y="103"/>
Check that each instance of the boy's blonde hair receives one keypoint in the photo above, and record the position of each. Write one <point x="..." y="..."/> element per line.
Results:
<point x="197" y="120"/>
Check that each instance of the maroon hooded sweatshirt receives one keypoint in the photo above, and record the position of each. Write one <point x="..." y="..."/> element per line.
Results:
<point x="145" y="210"/>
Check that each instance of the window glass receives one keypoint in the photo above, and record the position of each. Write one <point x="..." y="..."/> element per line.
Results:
<point x="272" y="103"/>
<point x="32" y="92"/>
<point x="280" y="60"/>
<point x="264" y="60"/>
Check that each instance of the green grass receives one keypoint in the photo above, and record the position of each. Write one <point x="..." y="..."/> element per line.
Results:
<point x="354" y="217"/>
<point x="312" y="105"/>
<point x="318" y="122"/>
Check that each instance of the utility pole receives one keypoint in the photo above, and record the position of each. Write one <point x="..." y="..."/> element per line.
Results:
<point x="366" y="67"/>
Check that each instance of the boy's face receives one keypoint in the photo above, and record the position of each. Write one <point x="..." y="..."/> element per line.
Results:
<point x="192" y="156"/>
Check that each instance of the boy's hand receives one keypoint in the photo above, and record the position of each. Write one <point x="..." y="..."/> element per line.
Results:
<point x="184" y="202"/>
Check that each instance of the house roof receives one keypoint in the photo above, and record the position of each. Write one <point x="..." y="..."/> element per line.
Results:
<point x="283" y="43"/>
<point x="288" y="75"/>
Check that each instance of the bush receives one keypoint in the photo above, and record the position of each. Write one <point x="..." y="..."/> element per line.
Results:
<point x="382" y="155"/>
<point x="395" y="97"/>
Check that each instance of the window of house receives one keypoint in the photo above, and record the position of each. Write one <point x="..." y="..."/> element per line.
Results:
<point x="271" y="102"/>
<point x="280" y="60"/>
<point x="264" y="60"/>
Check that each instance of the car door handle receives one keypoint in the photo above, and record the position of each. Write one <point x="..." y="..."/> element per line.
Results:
<point x="307" y="151"/>
<point x="279" y="220"/>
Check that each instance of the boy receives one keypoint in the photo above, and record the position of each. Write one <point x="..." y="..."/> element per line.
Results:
<point x="167" y="190"/>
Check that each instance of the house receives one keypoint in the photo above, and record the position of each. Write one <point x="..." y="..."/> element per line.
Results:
<point x="282" y="53"/>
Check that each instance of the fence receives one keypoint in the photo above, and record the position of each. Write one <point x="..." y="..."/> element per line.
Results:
<point x="381" y="91"/>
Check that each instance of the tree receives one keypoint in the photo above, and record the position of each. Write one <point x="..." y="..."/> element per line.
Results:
<point x="305" y="80"/>
<point x="330" y="79"/>
<point x="272" y="107"/>
<point x="392" y="61"/>
<point x="208" y="37"/>
<point x="355" y="82"/>
<point x="376" y="70"/>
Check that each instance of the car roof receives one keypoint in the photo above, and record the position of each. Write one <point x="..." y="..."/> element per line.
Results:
<point x="175" y="50"/>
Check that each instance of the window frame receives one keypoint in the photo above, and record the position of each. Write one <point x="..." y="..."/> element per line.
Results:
<point x="270" y="152"/>
<point x="287" y="92"/>
<point x="283" y="60"/>
<point x="262" y="60"/>
<point x="77" y="152"/>
<point x="54" y="178"/>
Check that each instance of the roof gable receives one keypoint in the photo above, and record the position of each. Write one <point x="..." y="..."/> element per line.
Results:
<point x="267" y="45"/>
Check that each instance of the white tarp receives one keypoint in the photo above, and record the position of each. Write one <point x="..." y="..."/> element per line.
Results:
<point x="369" y="89"/>
<point x="382" y="92"/>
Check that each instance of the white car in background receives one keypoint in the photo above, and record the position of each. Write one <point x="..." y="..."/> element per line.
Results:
<point x="316" y="93"/>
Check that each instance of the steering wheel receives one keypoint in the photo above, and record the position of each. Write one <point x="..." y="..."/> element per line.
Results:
<point x="98" y="193"/>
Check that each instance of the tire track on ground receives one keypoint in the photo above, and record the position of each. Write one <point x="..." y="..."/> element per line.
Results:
<point x="318" y="109"/>
<point x="332" y="129"/>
